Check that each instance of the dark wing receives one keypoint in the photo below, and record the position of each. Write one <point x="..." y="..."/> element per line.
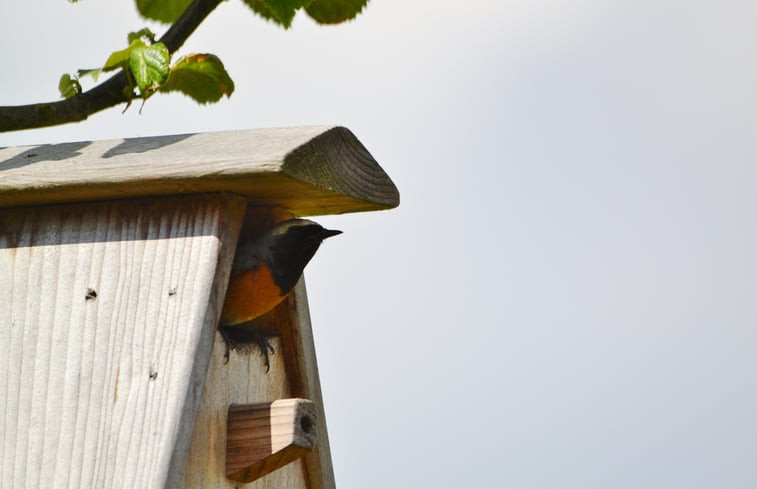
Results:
<point x="246" y="258"/>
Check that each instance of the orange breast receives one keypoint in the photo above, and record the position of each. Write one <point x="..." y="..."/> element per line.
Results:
<point x="249" y="295"/>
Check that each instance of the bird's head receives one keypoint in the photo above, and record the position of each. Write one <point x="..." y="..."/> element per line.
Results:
<point x="291" y="244"/>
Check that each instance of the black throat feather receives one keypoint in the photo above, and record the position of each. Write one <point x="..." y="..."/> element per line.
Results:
<point x="288" y="253"/>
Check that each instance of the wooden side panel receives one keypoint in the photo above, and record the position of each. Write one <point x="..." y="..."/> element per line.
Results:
<point x="303" y="366"/>
<point x="293" y="373"/>
<point x="241" y="381"/>
<point x="107" y="314"/>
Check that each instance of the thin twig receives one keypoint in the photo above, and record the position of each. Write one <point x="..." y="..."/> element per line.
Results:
<point x="109" y="93"/>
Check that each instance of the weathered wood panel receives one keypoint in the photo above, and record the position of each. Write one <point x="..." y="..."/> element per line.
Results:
<point x="107" y="315"/>
<point x="302" y="368"/>
<point x="307" y="170"/>
<point x="293" y="373"/>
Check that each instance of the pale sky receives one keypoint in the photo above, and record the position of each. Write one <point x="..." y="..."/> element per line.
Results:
<point x="566" y="296"/>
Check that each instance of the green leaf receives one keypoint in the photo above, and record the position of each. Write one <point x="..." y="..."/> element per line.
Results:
<point x="68" y="86"/>
<point x="284" y="10"/>
<point x="94" y="73"/>
<point x="142" y="34"/>
<point x="149" y="65"/>
<point x="334" y="11"/>
<point x="120" y="59"/>
<point x="201" y="77"/>
<point x="260" y="8"/>
<point x="280" y="11"/>
<point x="166" y="11"/>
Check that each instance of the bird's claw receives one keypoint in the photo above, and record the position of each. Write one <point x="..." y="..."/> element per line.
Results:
<point x="235" y="336"/>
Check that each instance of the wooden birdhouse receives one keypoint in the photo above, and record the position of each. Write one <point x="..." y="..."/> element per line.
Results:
<point x="114" y="261"/>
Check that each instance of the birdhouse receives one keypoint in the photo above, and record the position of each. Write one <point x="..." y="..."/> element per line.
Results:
<point x="115" y="257"/>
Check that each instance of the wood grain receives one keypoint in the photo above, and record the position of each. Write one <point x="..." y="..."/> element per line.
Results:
<point x="107" y="314"/>
<point x="244" y="381"/>
<point x="302" y="368"/>
<point x="264" y="437"/>
<point x="307" y="170"/>
<point x="240" y="381"/>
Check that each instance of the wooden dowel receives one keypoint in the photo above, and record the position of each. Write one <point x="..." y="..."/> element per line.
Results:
<point x="267" y="436"/>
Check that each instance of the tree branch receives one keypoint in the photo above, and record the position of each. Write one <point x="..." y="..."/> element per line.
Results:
<point x="109" y="93"/>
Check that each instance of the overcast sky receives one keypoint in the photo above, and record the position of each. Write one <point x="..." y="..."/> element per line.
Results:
<point x="567" y="295"/>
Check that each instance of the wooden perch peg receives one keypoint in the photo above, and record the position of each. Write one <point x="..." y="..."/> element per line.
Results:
<point x="267" y="436"/>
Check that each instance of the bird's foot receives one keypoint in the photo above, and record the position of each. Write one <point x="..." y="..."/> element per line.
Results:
<point x="243" y="339"/>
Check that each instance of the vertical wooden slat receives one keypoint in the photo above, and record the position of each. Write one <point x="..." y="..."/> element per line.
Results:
<point x="302" y="364"/>
<point x="107" y="313"/>
<point x="293" y="373"/>
<point x="243" y="380"/>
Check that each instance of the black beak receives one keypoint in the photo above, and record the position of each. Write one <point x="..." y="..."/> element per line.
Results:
<point x="327" y="233"/>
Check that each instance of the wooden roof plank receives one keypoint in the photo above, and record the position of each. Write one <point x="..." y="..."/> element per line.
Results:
<point x="308" y="170"/>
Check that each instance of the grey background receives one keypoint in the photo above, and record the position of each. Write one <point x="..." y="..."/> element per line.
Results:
<point x="566" y="295"/>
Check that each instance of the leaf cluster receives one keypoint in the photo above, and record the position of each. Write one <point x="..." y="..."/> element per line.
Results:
<point x="202" y="77"/>
<point x="279" y="11"/>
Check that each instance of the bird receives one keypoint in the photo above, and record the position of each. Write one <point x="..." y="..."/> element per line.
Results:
<point x="264" y="273"/>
